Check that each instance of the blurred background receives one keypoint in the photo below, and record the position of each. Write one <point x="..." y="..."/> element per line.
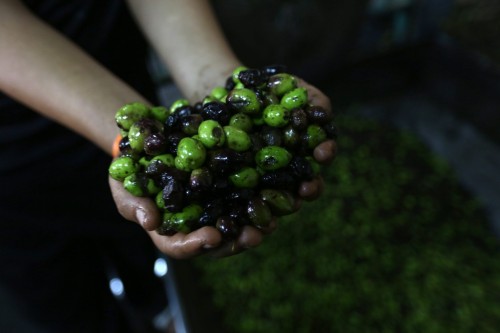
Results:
<point x="405" y="237"/>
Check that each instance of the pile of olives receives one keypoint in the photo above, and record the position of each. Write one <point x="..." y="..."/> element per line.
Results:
<point x="234" y="159"/>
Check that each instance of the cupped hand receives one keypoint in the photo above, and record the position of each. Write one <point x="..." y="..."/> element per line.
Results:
<point x="182" y="246"/>
<point x="208" y="240"/>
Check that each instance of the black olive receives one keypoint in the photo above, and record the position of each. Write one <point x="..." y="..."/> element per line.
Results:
<point x="155" y="144"/>
<point x="298" y="119"/>
<point x="173" y="195"/>
<point x="319" y="115"/>
<point x="252" y="77"/>
<point x="301" y="168"/>
<point x="271" y="136"/>
<point x="227" y="227"/>
<point x="274" y="69"/>
<point x="217" y="111"/>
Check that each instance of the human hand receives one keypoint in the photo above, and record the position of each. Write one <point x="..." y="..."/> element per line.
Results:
<point x="206" y="240"/>
<point x="325" y="152"/>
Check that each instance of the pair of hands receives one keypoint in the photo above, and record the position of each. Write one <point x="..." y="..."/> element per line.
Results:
<point x="207" y="239"/>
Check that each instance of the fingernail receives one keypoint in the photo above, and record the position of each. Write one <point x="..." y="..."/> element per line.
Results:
<point x="140" y="215"/>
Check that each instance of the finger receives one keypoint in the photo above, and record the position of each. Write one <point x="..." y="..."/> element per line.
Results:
<point x="325" y="152"/>
<point x="137" y="209"/>
<point x="250" y="237"/>
<point x="311" y="190"/>
<point x="315" y="96"/>
<point x="184" y="246"/>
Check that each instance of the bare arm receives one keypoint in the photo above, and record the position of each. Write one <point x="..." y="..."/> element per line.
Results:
<point x="190" y="41"/>
<point x="43" y="70"/>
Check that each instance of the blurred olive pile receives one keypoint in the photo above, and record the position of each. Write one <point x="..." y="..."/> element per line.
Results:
<point x="234" y="159"/>
<point x="396" y="245"/>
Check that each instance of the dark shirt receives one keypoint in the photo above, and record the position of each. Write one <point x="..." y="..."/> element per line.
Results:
<point x="59" y="228"/>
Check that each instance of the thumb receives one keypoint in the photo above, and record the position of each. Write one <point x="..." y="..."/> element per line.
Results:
<point x="137" y="209"/>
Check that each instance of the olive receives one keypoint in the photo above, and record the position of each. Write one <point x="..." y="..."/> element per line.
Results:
<point x="160" y="113"/>
<point x="272" y="158"/>
<point x="245" y="178"/>
<point x="237" y="139"/>
<point x="142" y="129"/>
<point x="211" y="211"/>
<point x="230" y="84"/>
<point x="240" y="195"/>
<point x="177" y="104"/>
<point x="173" y="195"/>
<point x="139" y="185"/>
<point x="243" y="100"/>
<point x="281" y="83"/>
<point x="271" y="136"/>
<point x="166" y="227"/>
<point x="274" y="69"/>
<point x="173" y="173"/>
<point x="130" y="113"/>
<point x="236" y="73"/>
<point x="291" y="137"/>
<point x="227" y="227"/>
<point x="217" y="111"/>
<point x="278" y="179"/>
<point x="191" y="154"/>
<point x="298" y="119"/>
<point x="126" y="150"/>
<point x="319" y="115"/>
<point x="200" y="179"/>
<point x="122" y="167"/>
<point x="280" y="202"/>
<point x="155" y="143"/>
<point x="266" y="98"/>
<point x="211" y="134"/>
<point x="276" y="115"/>
<point x="191" y="123"/>
<point x="259" y="213"/>
<point x="225" y="161"/>
<point x="241" y="121"/>
<point x="296" y="98"/>
<point x="218" y="93"/>
<point x="252" y="77"/>
<point x="301" y="168"/>
<point x="315" y="135"/>
<point x="173" y="140"/>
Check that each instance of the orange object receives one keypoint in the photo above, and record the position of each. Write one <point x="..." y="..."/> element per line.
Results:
<point x="115" y="150"/>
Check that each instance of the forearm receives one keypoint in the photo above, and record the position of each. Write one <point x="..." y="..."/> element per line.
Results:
<point x="43" y="70"/>
<point x="190" y="41"/>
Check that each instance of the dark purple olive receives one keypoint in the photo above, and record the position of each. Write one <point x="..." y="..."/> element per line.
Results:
<point x="330" y="130"/>
<point x="252" y="77"/>
<point x="301" y="169"/>
<point x="155" y="144"/>
<point x="190" y="124"/>
<point x="319" y="115"/>
<point x="173" y="195"/>
<point x="173" y="140"/>
<point x="298" y="119"/>
<point x="274" y="69"/>
<point x="279" y="179"/>
<point x="271" y="136"/>
<point x="217" y="111"/>
<point x="230" y="84"/>
<point x="225" y="161"/>
<point x="227" y="227"/>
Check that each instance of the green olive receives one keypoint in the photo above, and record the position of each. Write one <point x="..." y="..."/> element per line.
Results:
<point x="166" y="159"/>
<point x="315" y="135"/>
<point x="280" y="84"/>
<point x="272" y="158"/>
<point x="243" y="100"/>
<point x="237" y="139"/>
<point x="259" y="213"/>
<point x="160" y="113"/>
<point x="218" y="92"/>
<point x="160" y="202"/>
<point x="140" y="186"/>
<point x="280" y="202"/>
<point x="241" y="121"/>
<point x="122" y="167"/>
<point x="316" y="167"/>
<point x="191" y="154"/>
<point x="130" y="113"/>
<point x="177" y="104"/>
<point x="236" y="73"/>
<point x="245" y="178"/>
<point x="276" y="115"/>
<point x="294" y="99"/>
<point x="211" y="134"/>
